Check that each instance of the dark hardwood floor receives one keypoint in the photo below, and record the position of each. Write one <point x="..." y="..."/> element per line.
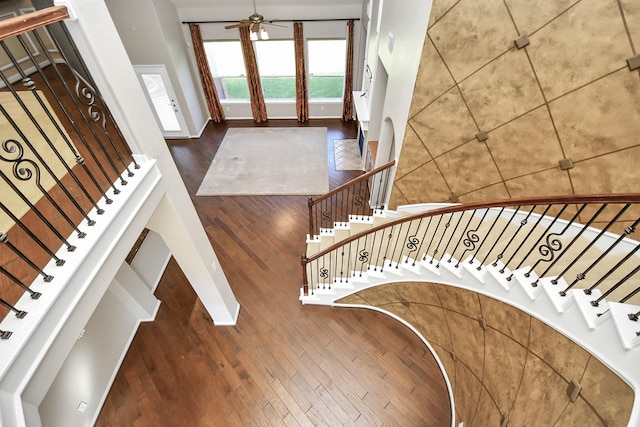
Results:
<point x="283" y="363"/>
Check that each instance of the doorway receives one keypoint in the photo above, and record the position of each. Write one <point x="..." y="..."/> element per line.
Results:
<point x="159" y="92"/>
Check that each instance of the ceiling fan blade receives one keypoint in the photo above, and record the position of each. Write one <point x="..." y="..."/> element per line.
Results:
<point x="242" y="23"/>
<point x="274" y="25"/>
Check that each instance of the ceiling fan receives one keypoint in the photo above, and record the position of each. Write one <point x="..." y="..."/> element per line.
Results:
<point x="256" y="24"/>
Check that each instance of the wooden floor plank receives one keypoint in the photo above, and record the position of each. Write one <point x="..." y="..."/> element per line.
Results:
<point x="283" y="363"/>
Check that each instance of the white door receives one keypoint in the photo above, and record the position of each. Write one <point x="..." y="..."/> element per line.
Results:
<point x="157" y="86"/>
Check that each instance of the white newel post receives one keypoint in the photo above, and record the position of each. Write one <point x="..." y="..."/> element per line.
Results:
<point x="175" y="218"/>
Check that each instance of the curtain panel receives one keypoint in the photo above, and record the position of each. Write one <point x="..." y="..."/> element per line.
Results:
<point x="208" y="86"/>
<point x="258" y="108"/>
<point x="347" y="102"/>
<point x="302" y="91"/>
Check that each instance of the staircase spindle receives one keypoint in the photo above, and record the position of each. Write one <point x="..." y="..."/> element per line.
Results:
<point x="582" y="275"/>
<point x="472" y="238"/>
<point x="553" y="244"/>
<point x="60" y="132"/>
<point x="495" y="243"/>
<point x="614" y="287"/>
<point x="4" y="239"/>
<point x="462" y="236"/>
<point x="14" y="279"/>
<point x="535" y="244"/>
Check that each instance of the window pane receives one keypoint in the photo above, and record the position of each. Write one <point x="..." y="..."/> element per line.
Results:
<point x="227" y="67"/>
<point x="276" y="62"/>
<point x="326" y="68"/>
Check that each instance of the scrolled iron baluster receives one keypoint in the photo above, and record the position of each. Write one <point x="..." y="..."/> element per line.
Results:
<point x="412" y="242"/>
<point x="472" y="237"/>
<point x="464" y="233"/>
<point x="552" y="245"/>
<point x="326" y="217"/>
<point x="79" y="159"/>
<point x="24" y="169"/>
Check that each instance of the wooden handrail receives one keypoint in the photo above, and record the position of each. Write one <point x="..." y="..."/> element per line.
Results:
<point x="523" y="201"/>
<point x="352" y="182"/>
<point x="23" y="23"/>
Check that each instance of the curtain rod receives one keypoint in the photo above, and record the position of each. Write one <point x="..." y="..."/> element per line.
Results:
<point x="273" y="20"/>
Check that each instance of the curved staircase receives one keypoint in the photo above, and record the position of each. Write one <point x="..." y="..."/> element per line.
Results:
<point x="569" y="261"/>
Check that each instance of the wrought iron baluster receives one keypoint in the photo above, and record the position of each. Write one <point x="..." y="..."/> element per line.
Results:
<point x="523" y="223"/>
<point x="472" y="238"/>
<point x="373" y="249"/>
<point x="611" y="270"/>
<point x="444" y="232"/>
<point x="497" y="240"/>
<point x="38" y="213"/>
<point x="4" y="238"/>
<point x="16" y="220"/>
<point x="14" y="279"/>
<point x="453" y="233"/>
<point x="614" y="287"/>
<point x="575" y="239"/>
<point x="76" y="103"/>
<point x="25" y="169"/>
<point x="5" y="335"/>
<point x="461" y="236"/>
<point x="30" y="84"/>
<point x="395" y="246"/>
<point x="553" y="244"/>
<point x="10" y="145"/>
<point x="545" y="233"/>
<point x="92" y="84"/>
<point x="386" y="250"/>
<point x="424" y="258"/>
<point x="341" y="263"/>
<point x="582" y="275"/>
<point x="79" y="159"/>
<point x="426" y="230"/>
<point x="493" y="224"/>
<point x="363" y="255"/>
<point x="629" y="296"/>
<point x="413" y="243"/>
<point x="19" y="313"/>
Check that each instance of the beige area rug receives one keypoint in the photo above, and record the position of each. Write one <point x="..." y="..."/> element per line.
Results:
<point x="33" y="135"/>
<point x="269" y="161"/>
<point x="346" y="153"/>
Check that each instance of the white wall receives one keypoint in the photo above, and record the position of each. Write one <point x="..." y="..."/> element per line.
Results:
<point x="152" y="34"/>
<point x="408" y="25"/>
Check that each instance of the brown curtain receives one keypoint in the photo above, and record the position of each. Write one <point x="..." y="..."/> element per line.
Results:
<point x="210" y="93"/>
<point x="258" y="108"/>
<point x="347" y="102"/>
<point x="302" y="93"/>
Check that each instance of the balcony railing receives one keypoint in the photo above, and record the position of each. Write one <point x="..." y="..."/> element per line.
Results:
<point x="356" y="199"/>
<point x="573" y="247"/>
<point x="63" y="159"/>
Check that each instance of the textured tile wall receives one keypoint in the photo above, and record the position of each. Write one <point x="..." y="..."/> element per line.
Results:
<point x="516" y="366"/>
<point x="567" y="94"/>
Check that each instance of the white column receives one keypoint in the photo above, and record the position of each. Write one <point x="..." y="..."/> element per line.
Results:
<point x="176" y="219"/>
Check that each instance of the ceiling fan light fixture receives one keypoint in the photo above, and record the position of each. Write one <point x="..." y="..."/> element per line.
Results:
<point x="263" y="34"/>
<point x="253" y="36"/>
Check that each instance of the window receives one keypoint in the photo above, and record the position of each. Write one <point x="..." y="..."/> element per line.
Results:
<point x="277" y="66"/>
<point x="227" y="67"/>
<point x="326" y="68"/>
